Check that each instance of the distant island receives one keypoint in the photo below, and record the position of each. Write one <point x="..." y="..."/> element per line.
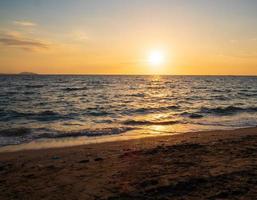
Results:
<point x="27" y="73"/>
<point x="20" y="74"/>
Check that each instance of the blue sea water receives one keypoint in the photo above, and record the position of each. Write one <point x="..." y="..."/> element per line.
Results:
<point x="49" y="107"/>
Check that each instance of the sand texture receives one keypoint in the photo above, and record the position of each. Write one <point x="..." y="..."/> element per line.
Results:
<point x="205" y="165"/>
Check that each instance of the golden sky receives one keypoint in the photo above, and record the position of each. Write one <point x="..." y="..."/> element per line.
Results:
<point x="202" y="37"/>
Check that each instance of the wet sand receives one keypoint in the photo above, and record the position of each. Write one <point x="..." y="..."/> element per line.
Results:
<point x="204" y="165"/>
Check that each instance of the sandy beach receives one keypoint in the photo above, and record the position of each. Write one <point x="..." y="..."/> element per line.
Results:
<point x="128" y="100"/>
<point x="204" y="165"/>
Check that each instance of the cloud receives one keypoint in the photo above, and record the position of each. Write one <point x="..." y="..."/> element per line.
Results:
<point x="15" y="40"/>
<point x="22" y="43"/>
<point x="25" y="23"/>
<point x="242" y="55"/>
<point x="233" y="41"/>
<point x="80" y="35"/>
<point x="9" y="33"/>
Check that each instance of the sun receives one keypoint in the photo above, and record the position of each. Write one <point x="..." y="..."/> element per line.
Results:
<point x="156" y="58"/>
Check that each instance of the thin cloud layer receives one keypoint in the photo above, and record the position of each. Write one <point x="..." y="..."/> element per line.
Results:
<point x="11" y="40"/>
<point x="80" y="35"/>
<point x="25" y="23"/>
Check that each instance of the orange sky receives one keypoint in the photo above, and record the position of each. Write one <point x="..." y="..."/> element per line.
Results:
<point x="114" y="37"/>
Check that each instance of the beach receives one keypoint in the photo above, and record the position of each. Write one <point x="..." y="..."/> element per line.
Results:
<point x="128" y="100"/>
<point x="203" y="165"/>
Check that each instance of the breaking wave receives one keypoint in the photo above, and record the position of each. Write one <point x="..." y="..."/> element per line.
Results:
<point x="145" y="122"/>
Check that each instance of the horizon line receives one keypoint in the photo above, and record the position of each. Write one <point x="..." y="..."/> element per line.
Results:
<point x="103" y="74"/>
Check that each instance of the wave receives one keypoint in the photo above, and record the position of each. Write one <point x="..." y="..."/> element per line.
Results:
<point x="221" y="90"/>
<point x="229" y="110"/>
<point x="152" y="110"/>
<point x="137" y="95"/>
<point x="29" y="93"/>
<point x="15" y="132"/>
<point x="40" y="116"/>
<point x="47" y="113"/>
<point x="14" y="136"/>
<point x="219" y="111"/>
<point x="145" y="122"/>
<point x="98" y="113"/>
<point x="88" y="132"/>
<point x="74" y="89"/>
<point x="247" y="94"/>
<point x="34" y="86"/>
<point x="192" y="115"/>
<point x="220" y="97"/>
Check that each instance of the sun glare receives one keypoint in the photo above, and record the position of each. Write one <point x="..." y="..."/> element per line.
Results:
<point x="156" y="58"/>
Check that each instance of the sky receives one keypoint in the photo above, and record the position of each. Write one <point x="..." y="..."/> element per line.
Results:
<point x="192" y="37"/>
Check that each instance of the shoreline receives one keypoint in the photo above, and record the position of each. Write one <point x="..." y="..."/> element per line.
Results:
<point x="202" y="165"/>
<point x="73" y="142"/>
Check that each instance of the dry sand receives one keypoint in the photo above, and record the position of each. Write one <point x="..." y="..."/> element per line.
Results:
<point x="205" y="165"/>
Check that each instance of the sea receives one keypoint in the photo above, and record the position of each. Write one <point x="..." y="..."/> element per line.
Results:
<point x="64" y="107"/>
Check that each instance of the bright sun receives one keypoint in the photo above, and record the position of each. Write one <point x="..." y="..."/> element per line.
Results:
<point x="156" y="58"/>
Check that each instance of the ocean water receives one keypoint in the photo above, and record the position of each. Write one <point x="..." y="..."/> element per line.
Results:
<point x="62" y="107"/>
